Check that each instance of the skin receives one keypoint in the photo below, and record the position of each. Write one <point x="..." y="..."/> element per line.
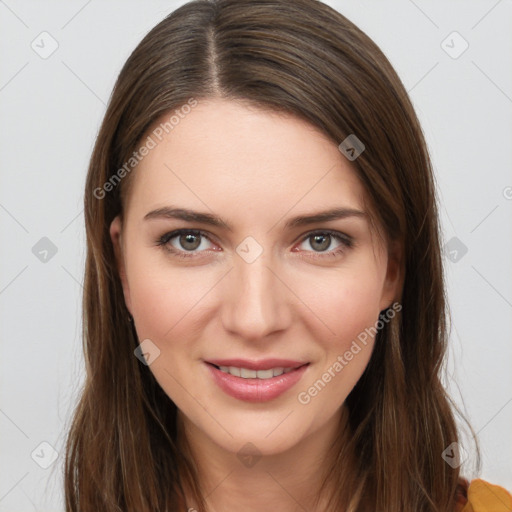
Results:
<point x="297" y="300"/>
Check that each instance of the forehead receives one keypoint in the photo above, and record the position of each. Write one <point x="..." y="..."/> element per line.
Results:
<point x="224" y="154"/>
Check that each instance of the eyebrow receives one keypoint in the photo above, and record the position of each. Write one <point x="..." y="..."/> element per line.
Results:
<point x="187" y="215"/>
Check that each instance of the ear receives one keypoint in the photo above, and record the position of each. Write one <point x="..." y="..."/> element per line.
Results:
<point x="116" y="235"/>
<point x="393" y="283"/>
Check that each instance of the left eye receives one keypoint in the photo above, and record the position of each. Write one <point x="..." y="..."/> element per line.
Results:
<point x="321" y="241"/>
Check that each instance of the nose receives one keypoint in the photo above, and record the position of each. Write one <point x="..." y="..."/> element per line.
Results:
<point x="255" y="300"/>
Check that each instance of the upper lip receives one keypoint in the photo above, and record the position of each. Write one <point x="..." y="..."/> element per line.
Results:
<point x="263" y="364"/>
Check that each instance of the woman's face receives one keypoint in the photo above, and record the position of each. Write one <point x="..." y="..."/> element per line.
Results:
<point x="254" y="282"/>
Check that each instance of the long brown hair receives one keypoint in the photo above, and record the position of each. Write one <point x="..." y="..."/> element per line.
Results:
<point x="124" y="452"/>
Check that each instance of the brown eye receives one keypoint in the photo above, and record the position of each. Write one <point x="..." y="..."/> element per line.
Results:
<point x="326" y="243"/>
<point x="185" y="242"/>
<point x="189" y="241"/>
<point x="320" y="242"/>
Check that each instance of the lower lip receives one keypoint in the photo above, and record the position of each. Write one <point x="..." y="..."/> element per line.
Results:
<point x="256" y="390"/>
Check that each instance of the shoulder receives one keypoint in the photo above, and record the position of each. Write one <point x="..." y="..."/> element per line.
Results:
<point x="481" y="496"/>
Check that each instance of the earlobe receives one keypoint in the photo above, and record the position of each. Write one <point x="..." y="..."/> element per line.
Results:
<point x="116" y="236"/>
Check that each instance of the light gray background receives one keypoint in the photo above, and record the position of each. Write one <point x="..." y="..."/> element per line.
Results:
<point x="51" y="110"/>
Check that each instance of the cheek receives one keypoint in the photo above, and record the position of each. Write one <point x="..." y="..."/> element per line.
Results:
<point x="343" y="303"/>
<point x="166" y="306"/>
<point x="346" y="307"/>
<point x="349" y="310"/>
<point x="163" y="298"/>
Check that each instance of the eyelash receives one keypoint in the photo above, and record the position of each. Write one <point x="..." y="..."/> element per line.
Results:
<point x="346" y="242"/>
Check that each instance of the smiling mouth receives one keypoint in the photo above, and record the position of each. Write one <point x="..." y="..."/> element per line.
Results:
<point x="256" y="385"/>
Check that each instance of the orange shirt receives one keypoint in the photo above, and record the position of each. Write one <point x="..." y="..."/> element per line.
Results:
<point x="481" y="496"/>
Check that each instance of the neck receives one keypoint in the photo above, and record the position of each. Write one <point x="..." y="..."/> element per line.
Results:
<point x="289" y="481"/>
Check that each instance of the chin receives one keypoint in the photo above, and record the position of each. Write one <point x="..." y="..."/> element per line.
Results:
<point x="271" y="432"/>
<point x="259" y="444"/>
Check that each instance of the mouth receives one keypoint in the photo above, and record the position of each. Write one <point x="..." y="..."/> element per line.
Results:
<point x="256" y="381"/>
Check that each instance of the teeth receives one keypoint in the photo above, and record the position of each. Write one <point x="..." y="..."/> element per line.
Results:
<point x="248" y="374"/>
<point x="265" y="374"/>
<point x="245" y="373"/>
<point x="234" y="371"/>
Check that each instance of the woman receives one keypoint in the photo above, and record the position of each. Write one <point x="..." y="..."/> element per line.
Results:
<point x="264" y="310"/>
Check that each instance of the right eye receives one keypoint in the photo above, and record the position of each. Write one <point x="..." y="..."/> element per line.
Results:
<point x="184" y="242"/>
